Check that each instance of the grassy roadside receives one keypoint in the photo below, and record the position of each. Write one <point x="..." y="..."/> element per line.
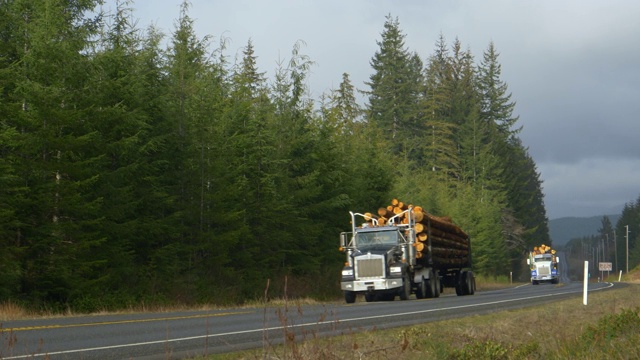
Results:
<point x="10" y="310"/>
<point x="607" y="328"/>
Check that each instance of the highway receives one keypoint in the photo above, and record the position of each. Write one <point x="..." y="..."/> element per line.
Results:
<point x="176" y="335"/>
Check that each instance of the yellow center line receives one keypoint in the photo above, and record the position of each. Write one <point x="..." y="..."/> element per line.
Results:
<point x="57" y="326"/>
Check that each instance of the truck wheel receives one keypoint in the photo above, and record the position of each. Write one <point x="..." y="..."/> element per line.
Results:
<point x="460" y="284"/>
<point x="369" y="297"/>
<point x="421" y="289"/>
<point x="349" y="297"/>
<point x="471" y="283"/>
<point x="431" y="287"/>
<point x="437" y="285"/>
<point x="405" y="289"/>
<point x="464" y="284"/>
<point x="534" y="282"/>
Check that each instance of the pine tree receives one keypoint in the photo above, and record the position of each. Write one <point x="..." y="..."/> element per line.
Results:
<point x="497" y="106"/>
<point x="628" y="236"/>
<point x="55" y="226"/>
<point x="253" y="160"/>
<point x="365" y="162"/>
<point x="10" y="199"/>
<point x="524" y="193"/>
<point x="298" y="152"/>
<point x="196" y="107"/>
<point x="606" y="235"/>
<point x="12" y="191"/>
<point x="471" y="135"/>
<point x="440" y="146"/>
<point x="128" y="112"/>
<point x="343" y="111"/>
<point x="395" y="88"/>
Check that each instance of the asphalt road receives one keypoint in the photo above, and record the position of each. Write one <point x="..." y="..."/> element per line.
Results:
<point x="178" y="335"/>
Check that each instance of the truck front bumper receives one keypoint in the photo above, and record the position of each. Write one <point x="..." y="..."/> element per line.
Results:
<point x="371" y="285"/>
<point x="543" y="278"/>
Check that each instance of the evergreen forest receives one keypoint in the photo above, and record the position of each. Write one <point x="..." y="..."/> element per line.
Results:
<point x="618" y="244"/>
<point x="143" y="167"/>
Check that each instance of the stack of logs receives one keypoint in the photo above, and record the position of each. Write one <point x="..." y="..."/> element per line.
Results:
<point x="447" y="243"/>
<point x="543" y="249"/>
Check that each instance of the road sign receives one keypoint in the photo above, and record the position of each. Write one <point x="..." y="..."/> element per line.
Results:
<point x="605" y="266"/>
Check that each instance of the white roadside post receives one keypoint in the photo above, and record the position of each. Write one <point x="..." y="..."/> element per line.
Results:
<point x="586" y="282"/>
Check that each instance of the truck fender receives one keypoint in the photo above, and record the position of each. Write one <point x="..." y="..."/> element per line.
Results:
<point x="420" y="274"/>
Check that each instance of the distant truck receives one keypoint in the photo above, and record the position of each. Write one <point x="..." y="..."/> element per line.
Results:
<point x="402" y="251"/>
<point x="543" y="263"/>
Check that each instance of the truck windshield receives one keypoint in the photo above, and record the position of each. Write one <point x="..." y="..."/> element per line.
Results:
<point x="378" y="238"/>
<point x="543" y="258"/>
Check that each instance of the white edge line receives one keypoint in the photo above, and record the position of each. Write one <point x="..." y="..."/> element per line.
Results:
<point x="287" y="326"/>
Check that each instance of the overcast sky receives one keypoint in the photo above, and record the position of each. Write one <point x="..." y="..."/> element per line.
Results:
<point x="573" y="68"/>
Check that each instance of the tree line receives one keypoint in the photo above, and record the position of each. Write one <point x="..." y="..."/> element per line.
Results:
<point x="133" y="171"/>
<point x="618" y="244"/>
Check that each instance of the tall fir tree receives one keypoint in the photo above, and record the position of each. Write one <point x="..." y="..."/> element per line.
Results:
<point x="47" y="77"/>
<point x="628" y="236"/>
<point x="394" y="89"/>
<point x="606" y="233"/>
<point x="252" y="146"/>
<point x="440" y="147"/>
<point x="366" y="161"/>
<point x="175" y="257"/>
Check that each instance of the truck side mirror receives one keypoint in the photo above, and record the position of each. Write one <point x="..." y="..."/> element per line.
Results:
<point x="528" y="261"/>
<point x="344" y="239"/>
<point x="557" y="260"/>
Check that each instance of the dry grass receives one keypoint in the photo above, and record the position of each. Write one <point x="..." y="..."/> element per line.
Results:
<point x="12" y="311"/>
<point x="556" y="330"/>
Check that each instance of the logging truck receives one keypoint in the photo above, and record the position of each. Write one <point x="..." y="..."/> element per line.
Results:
<point x="404" y="251"/>
<point x="543" y="263"/>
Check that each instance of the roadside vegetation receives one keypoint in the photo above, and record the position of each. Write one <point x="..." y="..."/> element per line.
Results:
<point x="11" y="310"/>
<point x="607" y="328"/>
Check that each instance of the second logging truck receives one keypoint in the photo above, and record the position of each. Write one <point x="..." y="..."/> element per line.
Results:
<point x="543" y="263"/>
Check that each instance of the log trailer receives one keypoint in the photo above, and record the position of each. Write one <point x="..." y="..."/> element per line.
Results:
<point x="543" y="263"/>
<point x="403" y="251"/>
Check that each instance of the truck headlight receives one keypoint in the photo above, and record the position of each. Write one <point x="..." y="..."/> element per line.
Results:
<point x="347" y="272"/>
<point x="395" y="270"/>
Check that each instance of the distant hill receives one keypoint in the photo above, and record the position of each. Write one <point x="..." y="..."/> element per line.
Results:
<point x="562" y="230"/>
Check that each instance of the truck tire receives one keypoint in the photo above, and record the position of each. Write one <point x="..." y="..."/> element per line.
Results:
<point x="369" y="297"/>
<point x="437" y="286"/>
<point x="349" y="297"/>
<point x="421" y="289"/>
<point x="431" y="287"/>
<point x="471" y="283"/>
<point x="460" y="284"/>
<point x="405" y="289"/>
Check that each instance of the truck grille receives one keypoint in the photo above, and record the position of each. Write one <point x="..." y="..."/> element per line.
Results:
<point x="544" y="270"/>
<point x="369" y="268"/>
